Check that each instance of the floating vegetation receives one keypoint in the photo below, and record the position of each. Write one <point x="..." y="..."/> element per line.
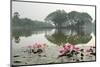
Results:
<point x="82" y="50"/>
<point x="17" y="61"/>
<point x="76" y="54"/>
<point x="77" y="60"/>
<point x="24" y="57"/>
<point x="82" y="54"/>
<point x="39" y="51"/>
<point x="81" y="58"/>
<point x="16" y="56"/>
<point x="67" y="53"/>
<point x="93" y="54"/>
<point x="51" y="62"/>
<point x="69" y="50"/>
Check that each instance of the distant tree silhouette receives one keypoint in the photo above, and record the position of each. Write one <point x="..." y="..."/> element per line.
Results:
<point x="79" y="18"/>
<point x="58" y="17"/>
<point x="27" y="23"/>
<point x="16" y="17"/>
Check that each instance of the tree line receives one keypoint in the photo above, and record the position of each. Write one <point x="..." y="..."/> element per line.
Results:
<point x="58" y="19"/>
<point x="27" y="23"/>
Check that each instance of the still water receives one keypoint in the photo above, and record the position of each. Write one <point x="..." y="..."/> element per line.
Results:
<point x="54" y="40"/>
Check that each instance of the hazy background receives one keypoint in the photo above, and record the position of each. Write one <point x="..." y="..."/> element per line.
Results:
<point x="38" y="11"/>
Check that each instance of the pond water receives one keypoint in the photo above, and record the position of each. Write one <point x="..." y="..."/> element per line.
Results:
<point x="53" y="40"/>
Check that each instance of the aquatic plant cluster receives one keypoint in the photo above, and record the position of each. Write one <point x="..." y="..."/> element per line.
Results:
<point x="36" y="48"/>
<point x="69" y="50"/>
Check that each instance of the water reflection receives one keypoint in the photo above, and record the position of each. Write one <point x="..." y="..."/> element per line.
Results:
<point x="17" y="33"/>
<point x="72" y="36"/>
<point x="58" y="36"/>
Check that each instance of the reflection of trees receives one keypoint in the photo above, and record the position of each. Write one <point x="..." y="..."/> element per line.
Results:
<point x="17" y="39"/>
<point x="57" y="38"/>
<point x="16" y="34"/>
<point x="75" y="37"/>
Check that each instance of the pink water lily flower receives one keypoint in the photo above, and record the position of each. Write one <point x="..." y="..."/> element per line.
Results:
<point x="29" y="46"/>
<point x="88" y="50"/>
<point x="39" y="46"/>
<point x="34" y="46"/>
<point x="62" y="51"/>
<point x="76" y="49"/>
<point x="69" y="47"/>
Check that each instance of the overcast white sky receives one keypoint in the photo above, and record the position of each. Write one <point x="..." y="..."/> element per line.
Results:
<point x="38" y="11"/>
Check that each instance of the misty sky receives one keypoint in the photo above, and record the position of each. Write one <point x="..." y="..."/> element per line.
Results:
<point x="38" y="11"/>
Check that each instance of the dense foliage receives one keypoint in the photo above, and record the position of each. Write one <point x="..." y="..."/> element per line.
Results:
<point x="28" y="23"/>
<point x="58" y="19"/>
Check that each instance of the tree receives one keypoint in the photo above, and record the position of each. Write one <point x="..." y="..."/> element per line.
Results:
<point x="16" y="15"/>
<point x="58" y="17"/>
<point x="79" y="18"/>
<point x="16" y="19"/>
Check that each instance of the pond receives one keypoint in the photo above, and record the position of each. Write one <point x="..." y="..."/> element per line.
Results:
<point x="27" y="46"/>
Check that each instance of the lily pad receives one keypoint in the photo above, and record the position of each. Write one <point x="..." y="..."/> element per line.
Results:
<point x="16" y="56"/>
<point x="17" y="61"/>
